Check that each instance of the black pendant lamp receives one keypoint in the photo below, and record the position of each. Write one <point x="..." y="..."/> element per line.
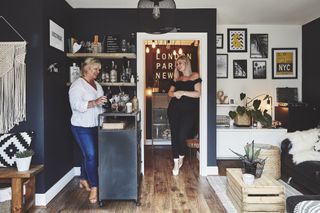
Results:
<point x="156" y="5"/>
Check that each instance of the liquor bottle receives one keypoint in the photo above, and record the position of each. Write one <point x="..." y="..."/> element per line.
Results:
<point x="132" y="43"/>
<point x="113" y="73"/>
<point x="128" y="70"/>
<point x="132" y="79"/>
<point x="108" y="94"/>
<point x="123" y="76"/>
<point x="135" y="103"/>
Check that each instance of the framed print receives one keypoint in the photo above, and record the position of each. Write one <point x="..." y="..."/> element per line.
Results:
<point x="258" y="45"/>
<point x="56" y="36"/>
<point x="237" y="40"/>
<point x="219" y="40"/>
<point x="222" y="66"/>
<point x="284" y="63"/>
<point x="240" y="69"/>
<point x="259" y="69"/>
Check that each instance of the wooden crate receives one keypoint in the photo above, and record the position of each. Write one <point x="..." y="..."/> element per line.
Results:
<point x="266" y="195"/>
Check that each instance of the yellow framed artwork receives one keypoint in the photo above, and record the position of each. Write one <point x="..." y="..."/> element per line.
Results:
<point x="284" y="63"/>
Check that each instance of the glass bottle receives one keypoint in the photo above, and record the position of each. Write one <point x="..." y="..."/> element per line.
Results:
<point x="128" y="70"/>
<point x="123" y="77"/>
<point x="113" y="73"/>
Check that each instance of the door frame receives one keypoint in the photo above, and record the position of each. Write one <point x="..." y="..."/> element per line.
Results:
<point x="203" y="65"/>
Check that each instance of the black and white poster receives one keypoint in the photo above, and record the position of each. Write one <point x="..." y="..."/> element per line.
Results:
<point x="56" y="36"/>
<point x="222" y="66"/>
<point x="259" y="69"/>
<point x="240" y="69"/>
<point x="258" y="45"/>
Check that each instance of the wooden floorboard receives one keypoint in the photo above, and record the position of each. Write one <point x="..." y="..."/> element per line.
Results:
<point x="160" y="190"/>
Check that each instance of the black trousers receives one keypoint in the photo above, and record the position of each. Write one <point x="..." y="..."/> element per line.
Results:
<point x="183" y="123"/>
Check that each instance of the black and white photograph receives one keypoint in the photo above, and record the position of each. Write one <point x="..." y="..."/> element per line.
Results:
<point x="222" y="65"/>
<point x="259" y="69"/>
<point x="56" y="36"/>
<point x="258" y="45"/>
<point x="240" y="69"/>
<point x="219" y="40"/>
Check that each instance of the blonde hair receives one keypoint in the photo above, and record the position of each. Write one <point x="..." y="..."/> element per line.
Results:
<point x="88" y="63"/>
<point x="188" y="64"/>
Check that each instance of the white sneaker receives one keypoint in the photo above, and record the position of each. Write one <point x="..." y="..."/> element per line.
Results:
<point x="181" y="160"/>
<point x="175" y="170"/>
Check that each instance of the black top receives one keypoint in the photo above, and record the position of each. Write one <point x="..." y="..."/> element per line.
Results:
<point x="187" y="102"/>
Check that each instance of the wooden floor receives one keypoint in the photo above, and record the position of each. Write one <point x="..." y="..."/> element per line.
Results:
<point x="160" y="190"/>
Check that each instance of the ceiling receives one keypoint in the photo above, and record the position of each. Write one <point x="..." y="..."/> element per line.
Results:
<point x="279" y="12"/>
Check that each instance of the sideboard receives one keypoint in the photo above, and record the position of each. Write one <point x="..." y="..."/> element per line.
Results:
<point x="236" y="138"/>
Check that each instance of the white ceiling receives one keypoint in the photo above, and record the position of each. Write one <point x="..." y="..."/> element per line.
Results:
<point x="291" y="12"/>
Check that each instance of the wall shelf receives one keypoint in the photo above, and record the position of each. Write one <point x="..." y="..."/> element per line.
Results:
<point x="116" y="84"/>
<point x="103" y="55"/>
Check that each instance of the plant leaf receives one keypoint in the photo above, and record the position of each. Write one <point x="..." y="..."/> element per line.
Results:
<point x="242" y="96"/>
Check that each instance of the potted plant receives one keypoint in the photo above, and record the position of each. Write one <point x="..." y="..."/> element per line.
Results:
<point x="252" y="164"/>
<point x="23" y="160"/>
<point x="243" y="115"/>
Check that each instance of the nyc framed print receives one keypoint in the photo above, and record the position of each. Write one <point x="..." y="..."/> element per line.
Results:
<point x="258" y="45"/>
<point x="259" y="69"/>
<point x="240" y="69"/>
<point x="237" y="40"/>
<point x="219" y="40"/>
<point x="284" y="63"/>
<point x="222" y="66"/>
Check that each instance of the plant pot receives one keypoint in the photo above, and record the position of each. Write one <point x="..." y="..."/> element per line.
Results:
<point x="249" y="168"/>
<point x="23" y="164"/>
<point x="242" y="120"/>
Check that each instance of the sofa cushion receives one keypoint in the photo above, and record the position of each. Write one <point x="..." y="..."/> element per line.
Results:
<point x="12" y="143"/>
<point x="303" y="140"/>
<point x="292" y="201"/>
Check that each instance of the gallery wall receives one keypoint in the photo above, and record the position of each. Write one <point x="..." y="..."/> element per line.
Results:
<point x="279" y="36"/>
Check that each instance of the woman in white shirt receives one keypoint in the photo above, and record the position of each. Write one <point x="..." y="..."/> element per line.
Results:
<point x="86" y="100"/>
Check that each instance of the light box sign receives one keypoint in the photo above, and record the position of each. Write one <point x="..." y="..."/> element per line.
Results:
<point x="160" y="66"/>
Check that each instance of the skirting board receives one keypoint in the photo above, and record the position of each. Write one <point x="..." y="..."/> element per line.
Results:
<point x="212" y="170"/>
<point x="45" y="198"/>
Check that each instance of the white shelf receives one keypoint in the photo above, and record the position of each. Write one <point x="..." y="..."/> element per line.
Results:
<point x="227" y="105"/>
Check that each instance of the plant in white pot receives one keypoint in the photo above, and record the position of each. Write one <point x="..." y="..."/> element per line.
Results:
<point x="23" y="160"/>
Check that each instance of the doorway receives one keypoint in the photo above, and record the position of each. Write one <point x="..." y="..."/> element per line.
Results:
<point x="141" y="85"/>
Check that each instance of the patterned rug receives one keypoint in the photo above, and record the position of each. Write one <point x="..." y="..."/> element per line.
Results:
<point x="218" y="183"/>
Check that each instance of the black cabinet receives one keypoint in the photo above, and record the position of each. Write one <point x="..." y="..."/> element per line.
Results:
<point x="119" y="156"/>
<point x="298" y="116"/>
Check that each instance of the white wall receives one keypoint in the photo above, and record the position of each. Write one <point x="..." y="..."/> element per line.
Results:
<point x="287" y="36"/>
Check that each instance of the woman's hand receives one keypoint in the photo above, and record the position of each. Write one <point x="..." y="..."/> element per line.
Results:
<point x="100" y="101"/>
<point x="178" y="94"/>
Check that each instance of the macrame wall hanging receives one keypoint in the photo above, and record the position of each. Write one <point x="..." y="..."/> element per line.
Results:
<point x="12" y="82"/>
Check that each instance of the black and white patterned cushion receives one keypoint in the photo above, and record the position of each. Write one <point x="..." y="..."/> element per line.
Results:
<point x="12" y="143"/>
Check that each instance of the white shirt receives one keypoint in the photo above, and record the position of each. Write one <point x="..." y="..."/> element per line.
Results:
<point x="80" y="93"/>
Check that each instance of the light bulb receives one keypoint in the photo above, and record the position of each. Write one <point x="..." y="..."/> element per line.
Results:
<point x="180" y="51"/>
<point x="147" y="50"/>
<point x="149" y="91"/>
<point x="174" y="52"/>
<point x="156" y="12"/>
<point x="153" y="45"/>
<point x="158" y="51"/>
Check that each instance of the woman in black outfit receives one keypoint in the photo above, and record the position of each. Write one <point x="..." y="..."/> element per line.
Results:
<point x="183" y="108"/>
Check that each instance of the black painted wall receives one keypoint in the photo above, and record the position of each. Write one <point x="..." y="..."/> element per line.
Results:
<point x="310" y="59"/>
<point x="88" y="22"/>
<point x="46" y="94"/>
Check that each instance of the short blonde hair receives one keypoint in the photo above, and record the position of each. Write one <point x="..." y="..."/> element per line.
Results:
<point x="188" y="63"/>
<point x="88" y="63"/>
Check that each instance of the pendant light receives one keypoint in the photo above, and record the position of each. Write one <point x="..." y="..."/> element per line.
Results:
<point x="147" y="49"/>
<point x="155" y="5"/>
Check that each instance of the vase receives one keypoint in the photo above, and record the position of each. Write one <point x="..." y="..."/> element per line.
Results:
<point x="242" y="120"/>
<point x="23" y="164"/>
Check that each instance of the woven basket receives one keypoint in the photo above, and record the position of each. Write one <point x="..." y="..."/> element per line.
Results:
<point x="272" y="166"/>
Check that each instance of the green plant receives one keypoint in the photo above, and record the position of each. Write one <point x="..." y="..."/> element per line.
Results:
<point x="25" y="153"/>
<point x="252" y="109"/>
<point x="251" y="154"/>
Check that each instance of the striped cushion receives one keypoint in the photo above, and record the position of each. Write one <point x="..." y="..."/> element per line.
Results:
<point x="308" y="206"/>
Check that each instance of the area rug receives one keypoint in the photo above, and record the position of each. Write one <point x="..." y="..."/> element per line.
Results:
<point x="218" y="183"/>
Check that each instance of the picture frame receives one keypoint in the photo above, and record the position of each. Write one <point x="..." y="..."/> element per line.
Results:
<point x="240" y="69"/>
<point x="56" y="36"/>
<point x="259" y="45"/>
<point x="219" y="40"/>
<point x="222" y="66"/>
<point x="259" y="69"/>
<point x="284" y="63"/>
<point x="237" y="40"/>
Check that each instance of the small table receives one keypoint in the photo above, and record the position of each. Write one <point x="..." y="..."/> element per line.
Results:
<point x="17" y="180"/>
<point x="265" y="195"/>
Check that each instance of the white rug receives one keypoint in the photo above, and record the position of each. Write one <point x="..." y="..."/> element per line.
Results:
<point x="218" y="183"/>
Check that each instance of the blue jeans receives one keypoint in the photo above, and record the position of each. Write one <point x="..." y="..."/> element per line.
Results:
<point x="87" y="139"/>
